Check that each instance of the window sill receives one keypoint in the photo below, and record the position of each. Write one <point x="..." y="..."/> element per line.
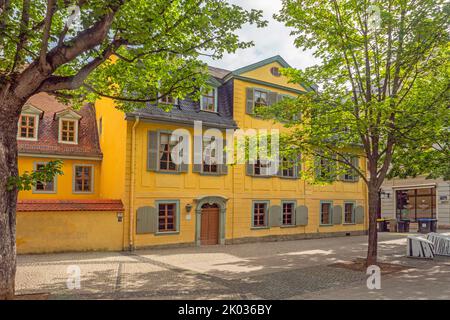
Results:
<point x="167" y="233"/>
<point x="349" y="224"/>
<point x="83" y="192"/>
<point x="288" y="178"/>
<point x="169" y="172"/>
<point x="210" y="111"/>
<point x="326" y="225"/>
<point x="288" y="226"/>
<point x="212" y="174"/>
<point x="43" y="192"/>
<point x="261" y="176"/>
<point x="259" y="228"/>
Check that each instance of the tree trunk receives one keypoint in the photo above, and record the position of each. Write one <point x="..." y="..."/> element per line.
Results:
<point x="372" y="250"/>
<point x="9" y="113"/>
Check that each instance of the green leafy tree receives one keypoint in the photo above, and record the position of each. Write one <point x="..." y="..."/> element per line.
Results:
<point x="65" y="47"/>
<point x="383" y="86"/>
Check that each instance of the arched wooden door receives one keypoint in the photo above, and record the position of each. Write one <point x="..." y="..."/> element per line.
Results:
<point x="209" y="231"/>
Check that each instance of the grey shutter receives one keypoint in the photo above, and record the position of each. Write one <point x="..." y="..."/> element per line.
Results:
<point x="297" y="167"/>
<point x="198" y="153"/>
<point x="280" y="169"/>
<point x="146" y="220"/>
<point x="301" y="216"/>
<point x="355" y="162"/>
<point x="359" y="215"/>
<point x="249" y="169"/>
<point x="224" y="166"/>
<point x="184" y="167"/>
<point x="337" y="215"/>
<point x="152" y="151"/>
<point x="317" y="168"/>
<point x="272" y="98"/>
<point x="249" y="101"/>
<point x="275" y="216"/>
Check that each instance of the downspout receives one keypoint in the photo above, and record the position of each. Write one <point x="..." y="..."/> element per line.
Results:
<point x="132" y="181"/>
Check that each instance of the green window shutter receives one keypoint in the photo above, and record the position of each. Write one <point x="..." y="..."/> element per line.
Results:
<point x="355" y="162"/>
<point x="297" y="167"/>
<point x="272" y="98"/>
<point x="359" y="215"/>
<point x="249" y="169"/>
<point x="337" y="215"/>
<point x="317" y="170"/>
<point x="224" y="167"/>
<point x="198" y="153"/>
<point x="146" y="220"/>
<point x="275" y="216"/>
<point x="249" y="101"/>
<point x="301" y="216"/>
<point x="152" y="151"/>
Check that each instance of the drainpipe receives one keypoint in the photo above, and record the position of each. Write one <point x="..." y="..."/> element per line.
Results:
<point x="132" y="181"/>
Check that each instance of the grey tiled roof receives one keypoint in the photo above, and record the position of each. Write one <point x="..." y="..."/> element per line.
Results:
<point x="185" y="112"/>
<point x="218" y="72"/>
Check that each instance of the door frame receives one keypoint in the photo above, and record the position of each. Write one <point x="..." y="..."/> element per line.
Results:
<point x="222" y="203"/>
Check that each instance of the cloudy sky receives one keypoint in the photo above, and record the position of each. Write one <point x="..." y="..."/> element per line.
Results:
<point x="269" y="41"/>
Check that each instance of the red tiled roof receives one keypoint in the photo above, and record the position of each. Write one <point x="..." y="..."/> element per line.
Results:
<point x="88" y="143"/>
<point x="70" y="205"/>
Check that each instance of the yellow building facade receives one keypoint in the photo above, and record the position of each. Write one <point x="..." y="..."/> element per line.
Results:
<point x="148" y="200"/>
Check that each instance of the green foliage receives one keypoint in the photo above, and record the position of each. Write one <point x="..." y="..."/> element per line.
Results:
<point x="27" y="180"/>
<point x="384" y="80"/>
<point x="157" y="44"/>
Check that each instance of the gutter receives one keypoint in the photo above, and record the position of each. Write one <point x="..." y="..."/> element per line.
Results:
<point x="132" y="182"/>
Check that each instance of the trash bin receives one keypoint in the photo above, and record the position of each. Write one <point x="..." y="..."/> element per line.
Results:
<point x="382" y="225"/>
<point x="403" y="225"/>
<point x="427" y="225"/>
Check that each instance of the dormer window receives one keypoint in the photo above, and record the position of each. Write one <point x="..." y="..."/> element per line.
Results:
<point x="68" y="131"/>
<point x="168" y="100"/>
<point x="68" y="121"/>
<point x="208" y="101"/>
<point x="27" y="127"/>
<point x="29" y="123"/>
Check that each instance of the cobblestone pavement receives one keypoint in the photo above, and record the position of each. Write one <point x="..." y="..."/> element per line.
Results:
<point x="301" y="269"/>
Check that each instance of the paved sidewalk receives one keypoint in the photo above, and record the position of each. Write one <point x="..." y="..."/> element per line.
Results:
<point x="299" y="269"/>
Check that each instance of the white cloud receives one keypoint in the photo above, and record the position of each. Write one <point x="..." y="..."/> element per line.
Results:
<point x="270" y="41"/>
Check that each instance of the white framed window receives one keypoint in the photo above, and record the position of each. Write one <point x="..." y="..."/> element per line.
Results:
<point x="68" y="131"/>
<point x="167" y="142"/>
<point x="262" y="168"/>
<point x="210" y="155"/>
<point x="44" y="186"/>
<point x="28" y="124"/>
<point x="28" y="127"/>
<point x="208" y="101"/>
<point x="83" y="178"/>
<point x="68" y="122"/>
<point x="169" y="100"/>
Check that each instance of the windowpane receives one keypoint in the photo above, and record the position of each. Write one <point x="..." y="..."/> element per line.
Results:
<point x="27" y="126"/>
<point x="67" y="130"/>
<point x="209" y="155"/>
<point x="166" y="217"/>
<point x="260" y="98"/>
<point x="348" y="212"/>
<point x="261" y="167"/>
<point x="167" y="143"/>
<point x="83" y="179"/>
<point x="325" y="213"/>
<point x="209" y="101"/>
<point x="287" y="168"/>
<point x="288" y="211"/>
<point x="47" y="186"/>
<point x="259" y="214"/>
